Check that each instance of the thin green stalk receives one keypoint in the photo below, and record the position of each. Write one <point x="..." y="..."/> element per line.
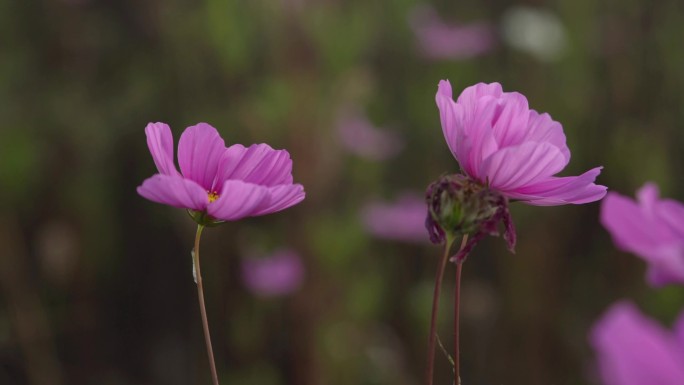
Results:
<point x="203" y="310"/>
<point x="435" y="307"/>
<point x="457" y="300"/>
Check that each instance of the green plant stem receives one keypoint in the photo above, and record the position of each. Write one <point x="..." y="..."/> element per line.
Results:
<point x="435" y="307"/>
<point x="203" y="310"/>
<point x="457" y="300"/>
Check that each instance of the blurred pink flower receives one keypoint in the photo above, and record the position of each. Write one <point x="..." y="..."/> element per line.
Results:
<point x="634" y="350"/>
<point x="225" y="184"/>
<point x="279" y="274"/>
<point x="402" y="220"/>
<point x="652" y="228"/>
<point x="360" y="137"/>
<point x="438" y="40"/>
<point x="500" y="142"/>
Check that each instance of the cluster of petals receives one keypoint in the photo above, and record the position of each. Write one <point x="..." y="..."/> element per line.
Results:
<point x="635" y="350"/>
<point x="651" y="228"/>
<point x="225" y="183"/>
<point x="500" y="142"/>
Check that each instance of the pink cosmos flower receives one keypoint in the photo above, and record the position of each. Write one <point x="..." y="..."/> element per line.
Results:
<point x="500" y="142"/>
<point x="218" y="183"/>
<point x="439" y="40"/>
<point x="652" y="228"/>
<point x="278" y="274"/>
<point x="403" y="220"/>
<point x="635" y="350"/>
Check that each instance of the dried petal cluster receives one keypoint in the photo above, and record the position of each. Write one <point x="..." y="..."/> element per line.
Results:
<point x="458" y="205"/>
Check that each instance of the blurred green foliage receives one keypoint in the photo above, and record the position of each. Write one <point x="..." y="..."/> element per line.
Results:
<point x="96" y="281"/>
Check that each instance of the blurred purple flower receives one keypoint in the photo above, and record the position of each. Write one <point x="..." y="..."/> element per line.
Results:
<point x="438" y="40"/>
<point x="279" y="274"/>
<point x="634" y="350"/>
<point x="215" y="182"/>
<point x="500" y="142"/>
<point x="652" y="228"/>
<point x="360" y="137"/>
<point x="402" y="220"/>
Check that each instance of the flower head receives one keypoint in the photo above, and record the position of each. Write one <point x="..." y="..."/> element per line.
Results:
<point x="634" y="350"/>
<point x="652" y="228"/>
<point x="503" y="144"/>
<point x="401" y="220"/>
<point x="216" y="183"/>
<point x="278" y="274"/>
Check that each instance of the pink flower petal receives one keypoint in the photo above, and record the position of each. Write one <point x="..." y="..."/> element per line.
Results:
<point x="451" y="115"/>
<point x="469" y="97"/>
<point x="635" y="350"/>
<point x="281" y="197"/>
<point x="514" y="167"/>
<point x="258" y="164"/>
<point x="544" y="129"/>
<point x="200" y="149"/>
<point x="511" y="119"/>
<point x="160" y="143"/>
<point x="174" y="191"/>
<point x="650" y="229"/>
<point x="556" y="191"/>
<point x="237" y="200"/>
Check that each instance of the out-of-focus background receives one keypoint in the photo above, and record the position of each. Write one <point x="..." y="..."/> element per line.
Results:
<point x="96" y="283"/>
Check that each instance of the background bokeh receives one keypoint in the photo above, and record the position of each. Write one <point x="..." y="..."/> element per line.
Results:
<point x="96" y="283"/>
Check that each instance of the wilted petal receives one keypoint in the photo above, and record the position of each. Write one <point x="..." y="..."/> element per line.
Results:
<point x="237" y="200"/>
<point x="174" y="191"/>
<point x="160" y="143"/>
<point x="556" y="191"/>
<point x="258" y="164"/>
<point x="514" y="167"/>
<point x="281" y="197"/>
<point x="200" y="149"/>
<point x="634" y="350"/>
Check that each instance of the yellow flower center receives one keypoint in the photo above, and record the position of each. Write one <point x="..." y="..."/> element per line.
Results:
<point x="213" y="195"/>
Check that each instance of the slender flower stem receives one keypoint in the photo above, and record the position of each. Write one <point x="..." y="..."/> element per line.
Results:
<point x="433" y="319"/>
<point x="203" y="310"/>
<point x="457" y="300"/>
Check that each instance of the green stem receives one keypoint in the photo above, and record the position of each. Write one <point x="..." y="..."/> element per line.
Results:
<point x="203" y="310"/>
<point x="457" y="300"/>
<point x="435" y="307"/>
